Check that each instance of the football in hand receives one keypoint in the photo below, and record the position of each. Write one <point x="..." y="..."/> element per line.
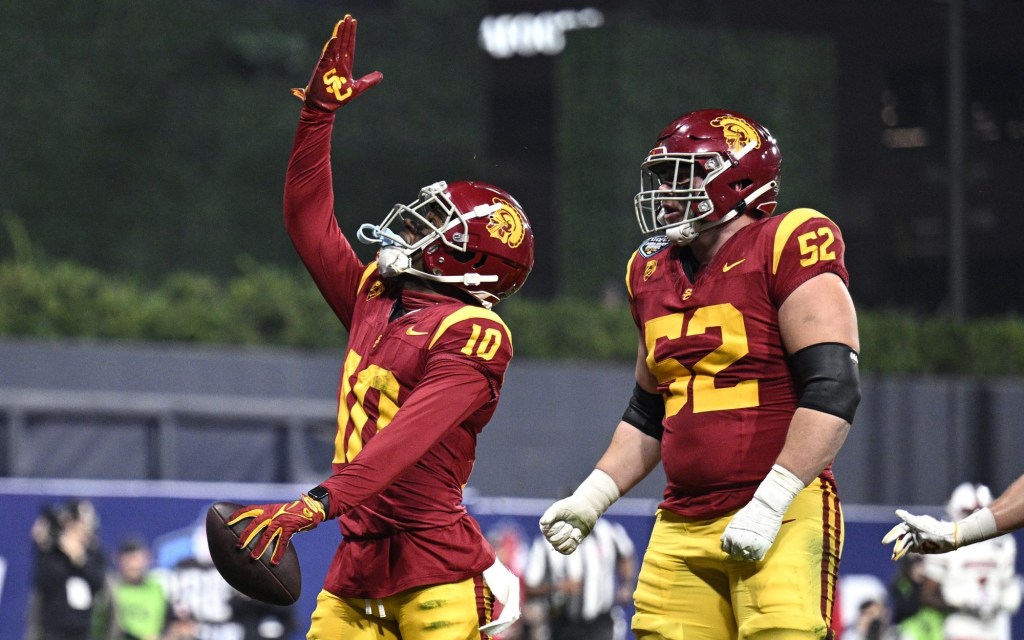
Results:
<point x="279" y="585"/>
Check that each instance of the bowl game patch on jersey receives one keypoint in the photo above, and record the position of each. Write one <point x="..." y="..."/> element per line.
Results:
<point x="653" y="245"/>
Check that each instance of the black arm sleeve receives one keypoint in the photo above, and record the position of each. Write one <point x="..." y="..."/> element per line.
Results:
<point x="645" y="412"/>
<point x="828" y="378"/>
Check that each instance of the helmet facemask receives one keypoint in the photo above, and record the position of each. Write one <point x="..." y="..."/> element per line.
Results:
<point x="673" y="195"/>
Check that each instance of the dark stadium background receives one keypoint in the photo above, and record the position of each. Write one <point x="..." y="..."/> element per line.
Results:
<point x="142" y="138"/>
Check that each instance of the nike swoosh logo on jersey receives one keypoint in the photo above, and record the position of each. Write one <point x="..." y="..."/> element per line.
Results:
<point x="411" y="331"/>
<point x="730" y="265"/>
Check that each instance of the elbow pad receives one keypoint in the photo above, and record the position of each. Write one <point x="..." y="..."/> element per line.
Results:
<point x="827" y="377"/>
<point x="645" y="412"/>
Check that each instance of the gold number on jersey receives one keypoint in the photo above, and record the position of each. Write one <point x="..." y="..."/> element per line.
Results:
<point x="486" y="347"/>
<point x="816" y="252"/>
<point x="372" y="377"/>
<point x="669" y="327"/>
<point x="706" y="396"/>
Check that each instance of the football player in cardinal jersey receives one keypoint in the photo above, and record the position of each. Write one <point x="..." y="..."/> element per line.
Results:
<point x="421" y="377"/>
<point x="746" y="386"/>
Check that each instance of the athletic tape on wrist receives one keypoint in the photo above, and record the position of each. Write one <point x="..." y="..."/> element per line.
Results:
<point x="599" y="490"/>
<point x="779" y="488"/>
<point x="980" y="525"/>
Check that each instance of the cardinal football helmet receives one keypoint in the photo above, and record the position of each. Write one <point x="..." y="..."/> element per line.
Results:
<point x="471" y="235"/>
<point x="706" y="168"/>
<point x="967" y="498"/>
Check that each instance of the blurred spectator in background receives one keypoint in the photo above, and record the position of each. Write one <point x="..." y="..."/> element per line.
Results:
<point x="872" y="623"/>
<point x="916" y="602"/>
<point x="70" y="572"/>
<point x="137" y="608"/>
<point x="977" y="582"/>
<point x="585" y="591"/>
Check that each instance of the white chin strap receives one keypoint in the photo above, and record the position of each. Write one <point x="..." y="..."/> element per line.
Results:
<point x="683" y="233"/>
<point x="394" y="261"/>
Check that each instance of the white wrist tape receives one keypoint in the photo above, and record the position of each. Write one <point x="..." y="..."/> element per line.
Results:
<point x="980" y="525"/>
<point x="778" y="489"/>
<point x="598" y="490"/>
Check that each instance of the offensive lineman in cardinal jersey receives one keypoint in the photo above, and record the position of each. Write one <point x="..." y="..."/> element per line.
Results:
<point x="421" y="377"/>
<point x="746" y="385"/>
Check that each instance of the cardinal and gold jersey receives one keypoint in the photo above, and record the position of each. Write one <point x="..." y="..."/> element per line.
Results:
<point x="713" y="344"/>
<point x="420" y="378"/>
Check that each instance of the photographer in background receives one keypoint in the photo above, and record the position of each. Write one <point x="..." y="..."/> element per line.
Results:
<point x="70" y="572"/>
<point x="872" y="623"/>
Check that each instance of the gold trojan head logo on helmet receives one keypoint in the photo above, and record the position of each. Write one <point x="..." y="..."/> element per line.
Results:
<point x="737" y="131"/>
<point x="506" y="224"/>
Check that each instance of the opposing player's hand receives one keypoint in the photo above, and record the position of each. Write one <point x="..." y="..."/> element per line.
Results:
<point x="920" y="534"/>
<point x="332" y="84"/>
<point x="751" y="531"/>
<point x="274" y="524"/>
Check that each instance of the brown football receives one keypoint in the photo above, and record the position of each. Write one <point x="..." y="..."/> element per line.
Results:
<point x="280" y="585"/>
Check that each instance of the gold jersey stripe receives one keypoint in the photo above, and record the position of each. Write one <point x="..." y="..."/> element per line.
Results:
<point x="629" y="270"/>
<point x="370" y="269"/>
<point x="793" y="219"/>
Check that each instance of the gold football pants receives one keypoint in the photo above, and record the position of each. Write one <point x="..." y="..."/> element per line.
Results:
<point x="688" y="589"/>
<point x="439" y="612"/>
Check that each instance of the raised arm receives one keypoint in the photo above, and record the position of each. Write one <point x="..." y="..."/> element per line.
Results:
<point x="308" y="192"/>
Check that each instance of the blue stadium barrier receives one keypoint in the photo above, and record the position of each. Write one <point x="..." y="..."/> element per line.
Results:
<point x="167" y="515"/>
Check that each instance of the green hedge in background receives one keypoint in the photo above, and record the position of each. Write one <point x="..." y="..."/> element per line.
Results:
<point x="271" y="306"/>
<point x="263" y="305"/>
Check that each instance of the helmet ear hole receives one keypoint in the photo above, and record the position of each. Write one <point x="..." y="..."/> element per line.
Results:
<point x="741" y="185"/>
<point x="465" y="257"/>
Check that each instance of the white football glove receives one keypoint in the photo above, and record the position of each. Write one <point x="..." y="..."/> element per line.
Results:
<point x="754" y="527"/>
<point x="925" y="534"/>
<point x="505" y="586"/>
<point x="567" y="522"/>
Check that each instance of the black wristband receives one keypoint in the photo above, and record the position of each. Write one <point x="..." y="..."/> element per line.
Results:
<point x="321" y="495"/>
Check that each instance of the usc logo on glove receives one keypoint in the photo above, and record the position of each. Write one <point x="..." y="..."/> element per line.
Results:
<point x="334" y="82"/>
<point x="506" y="224"/>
